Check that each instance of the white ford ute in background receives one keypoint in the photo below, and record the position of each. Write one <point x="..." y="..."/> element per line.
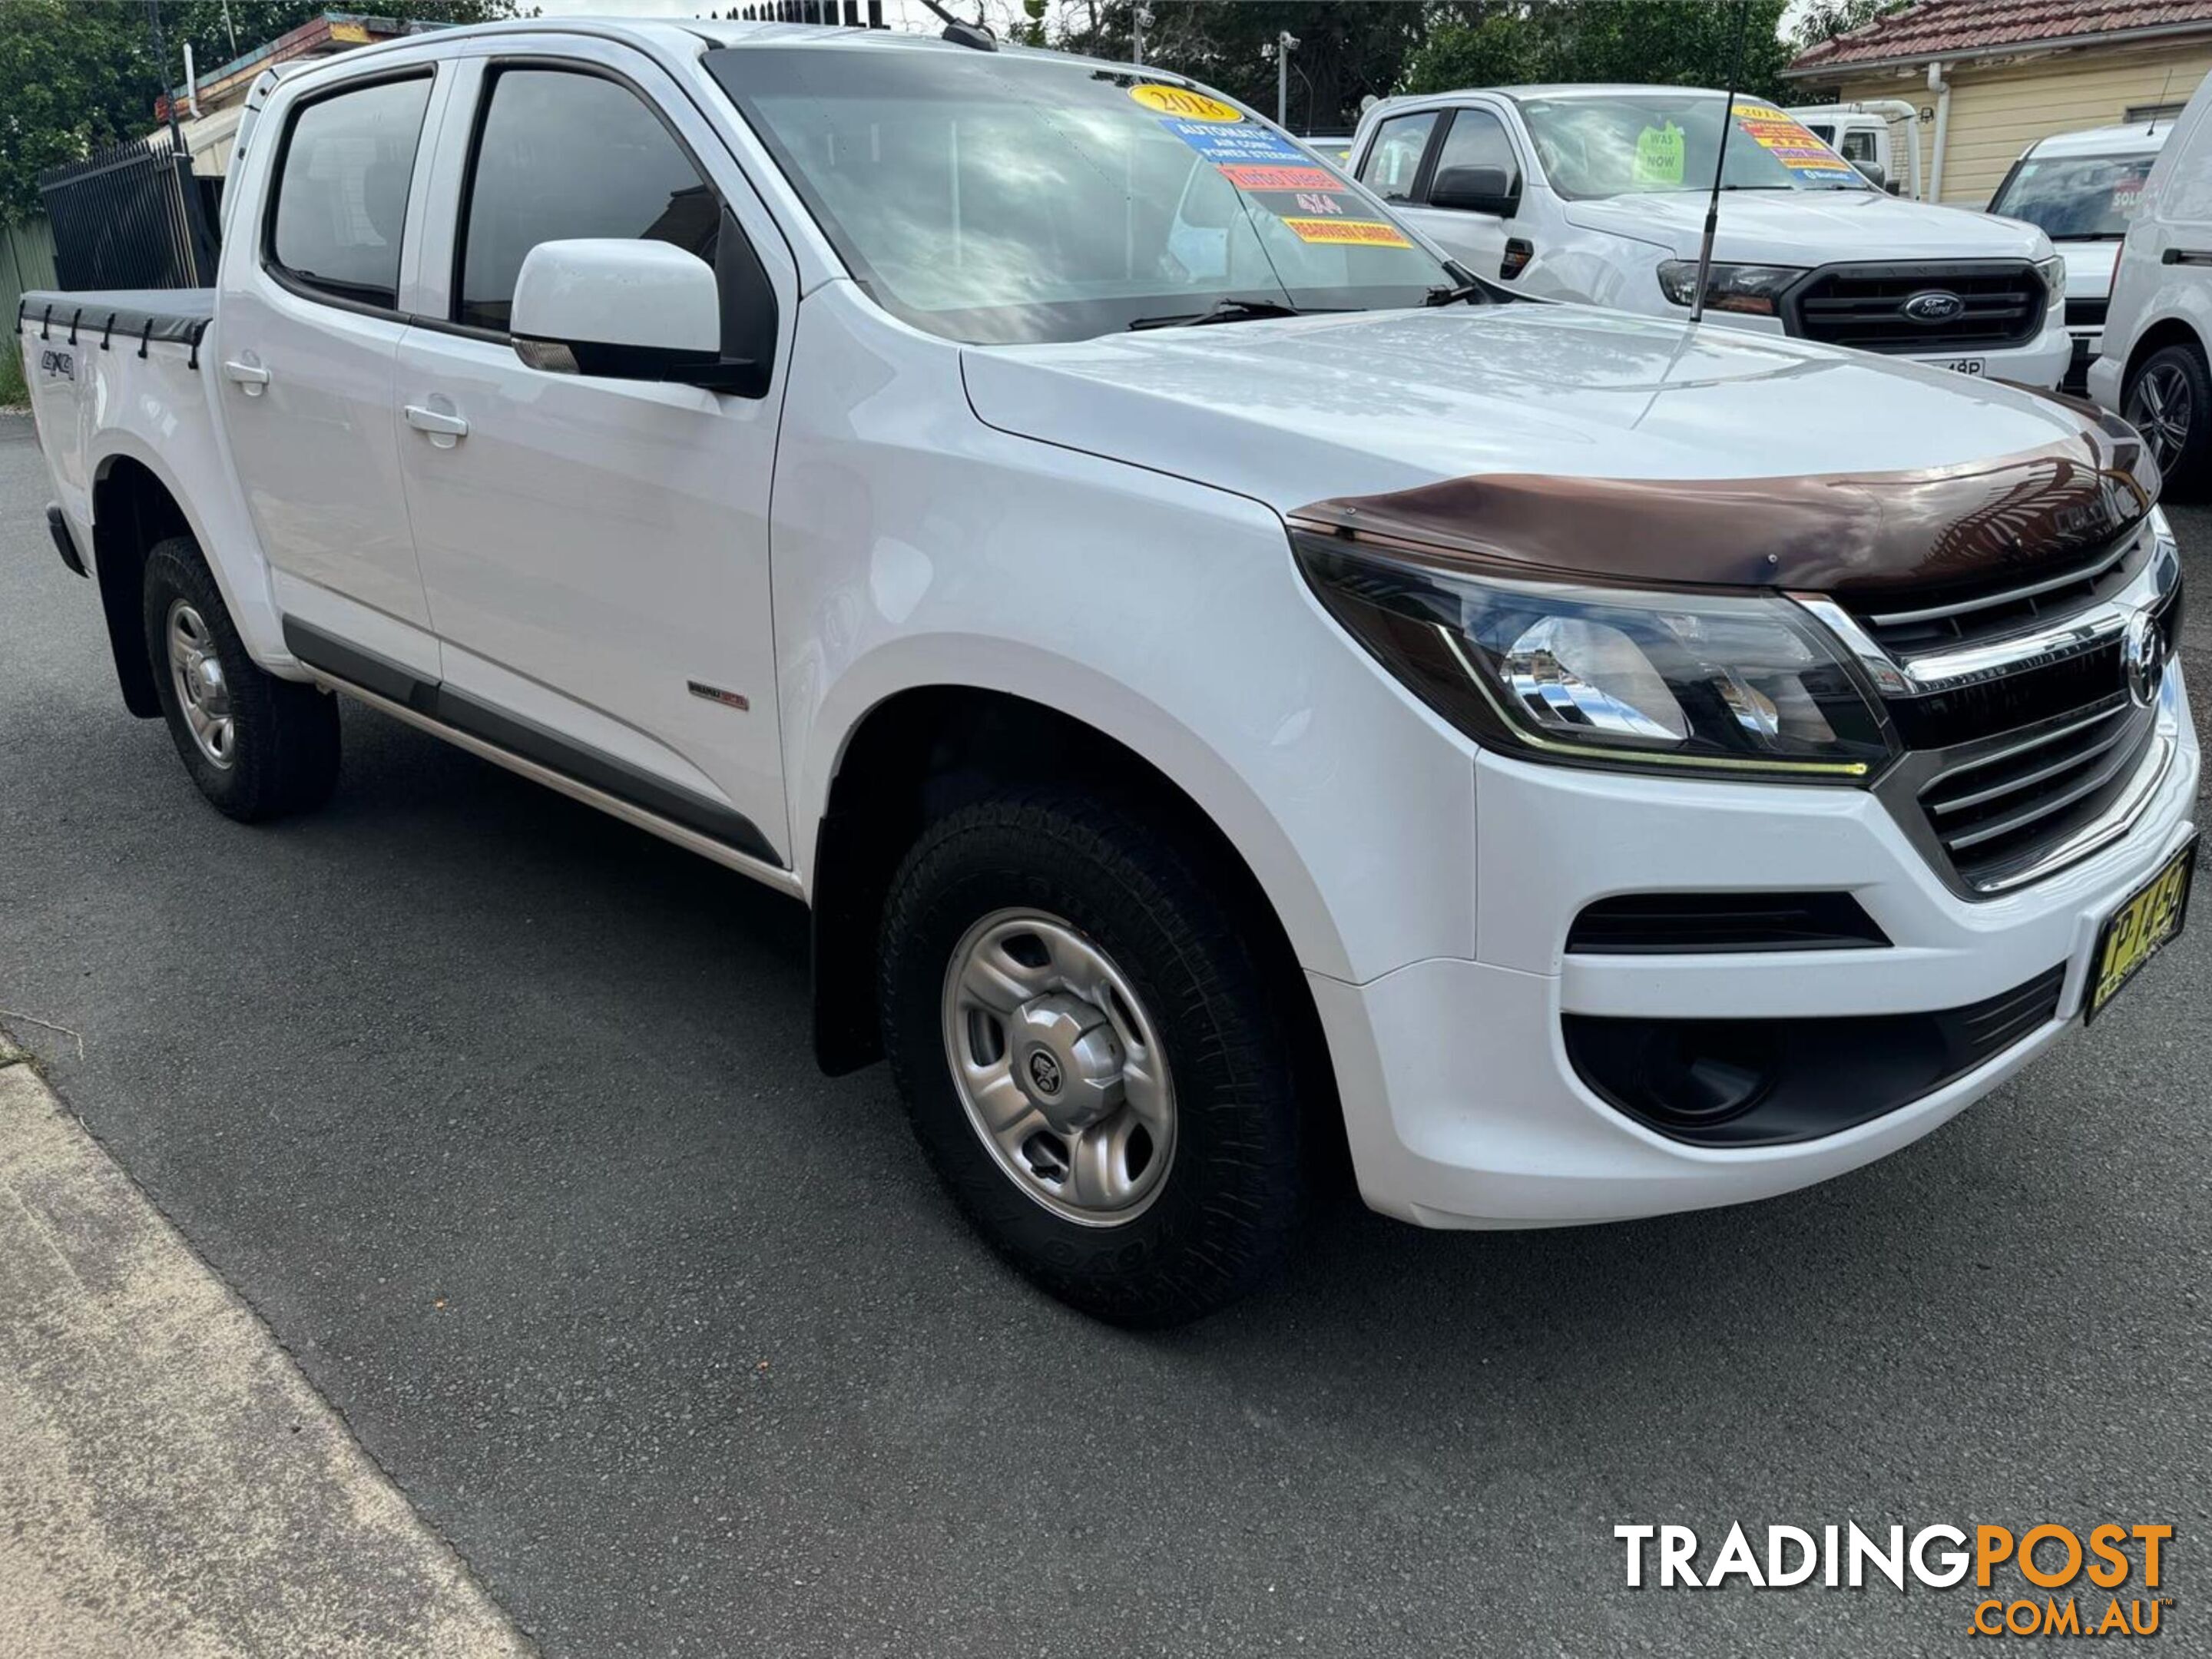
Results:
<point x="1598" y="193"/>
<point x="1237" y="706"/>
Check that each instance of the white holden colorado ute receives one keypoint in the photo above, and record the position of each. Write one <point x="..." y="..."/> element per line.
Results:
<point x="1242" y="698"/>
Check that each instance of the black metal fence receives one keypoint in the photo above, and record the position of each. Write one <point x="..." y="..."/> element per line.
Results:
<point x="131" y="216"/>
<point x="853" y="14"/>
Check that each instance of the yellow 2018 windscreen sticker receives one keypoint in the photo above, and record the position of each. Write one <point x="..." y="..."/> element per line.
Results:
<point x="1788" y="143"/>
<point x="1190" y="106"/>
<point x="1659" y="155"/>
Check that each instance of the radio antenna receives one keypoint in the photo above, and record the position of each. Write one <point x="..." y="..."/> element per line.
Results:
<point x="2164" y="87"/>
<point x="1720" y="162"/>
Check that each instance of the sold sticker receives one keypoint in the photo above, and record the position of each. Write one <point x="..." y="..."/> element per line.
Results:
<point x="1191" y="105"/>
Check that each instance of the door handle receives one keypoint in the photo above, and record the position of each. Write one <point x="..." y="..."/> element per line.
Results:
<point x="252" y="376"/>
<point x="436" y="422"/>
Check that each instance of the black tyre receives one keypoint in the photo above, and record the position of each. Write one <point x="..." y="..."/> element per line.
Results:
<point x="1093" y="1059"/>
<point x="2169" y="400"/>
<point x="258" y="746"/>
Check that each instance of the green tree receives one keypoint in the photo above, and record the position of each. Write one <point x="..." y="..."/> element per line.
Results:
<point x="1823" y="20"/>
<point x="1656" y="42"/>
<point x="82" y="74"/>
<point x="78" y="76"/>
<point x="1347" y="49"/>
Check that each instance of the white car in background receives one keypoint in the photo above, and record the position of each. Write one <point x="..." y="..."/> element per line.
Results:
<point x="1598" y="193"/>
<point x="2151" y="363"/>
<point x="2081" y="189"/>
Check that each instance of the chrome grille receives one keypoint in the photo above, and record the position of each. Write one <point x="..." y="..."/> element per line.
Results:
<point x="2025" y="745"/>
<point x="1940" y="622"/>
<point x="2002" y="809"/>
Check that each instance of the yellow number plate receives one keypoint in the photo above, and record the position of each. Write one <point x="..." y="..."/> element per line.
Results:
<point x="2135" y="932"/>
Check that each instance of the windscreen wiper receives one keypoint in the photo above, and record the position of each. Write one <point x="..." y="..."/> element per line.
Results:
<point x="1470" y="292"/>
<point x="1227" y="310"/>
<point x="1464" y="287"/>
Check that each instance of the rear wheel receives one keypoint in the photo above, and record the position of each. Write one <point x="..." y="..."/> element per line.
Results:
<point x="257" y="746"/>
<point x="2169" y="400"/>
<point x="1090" y="1058"/>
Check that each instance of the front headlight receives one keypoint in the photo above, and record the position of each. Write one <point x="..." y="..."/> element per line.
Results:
<point x="1756" y="290"/>
<point x="1731" y="684"/>
<point x="2053" y="272"/>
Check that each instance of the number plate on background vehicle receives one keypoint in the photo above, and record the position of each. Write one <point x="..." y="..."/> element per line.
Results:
<point x="1960" y="365"/>
<point x="2146" y="921"/>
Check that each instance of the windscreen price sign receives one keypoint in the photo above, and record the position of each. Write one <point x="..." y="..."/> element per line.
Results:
<point x="1312" y="202"/>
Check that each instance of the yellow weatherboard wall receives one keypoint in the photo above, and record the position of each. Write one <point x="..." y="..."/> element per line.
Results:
<point x="1998" y="111"/>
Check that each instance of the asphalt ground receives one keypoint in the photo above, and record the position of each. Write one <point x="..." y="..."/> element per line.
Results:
<point x="171" y="1486"/>
<point x="502" y="1115"/>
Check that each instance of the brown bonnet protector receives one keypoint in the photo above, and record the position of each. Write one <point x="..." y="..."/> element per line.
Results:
<point x="1873" y="533"/>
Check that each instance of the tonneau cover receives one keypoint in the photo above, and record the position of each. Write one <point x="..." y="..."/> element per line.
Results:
<point x="135" y="313"/>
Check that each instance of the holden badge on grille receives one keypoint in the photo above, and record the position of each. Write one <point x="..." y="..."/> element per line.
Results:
<point x="2142" y="658"/>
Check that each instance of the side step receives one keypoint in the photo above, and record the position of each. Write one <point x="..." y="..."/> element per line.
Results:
<point x="615" y="787"/>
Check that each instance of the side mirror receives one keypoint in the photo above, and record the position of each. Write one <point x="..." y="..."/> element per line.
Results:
<point x="1476" y="190"/>
<point x="622" y="309"/>
<point x="1874" y="173"/>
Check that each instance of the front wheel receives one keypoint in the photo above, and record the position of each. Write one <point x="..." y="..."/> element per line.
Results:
<point x="1091" y="1057"/>
<point x="2169" y="400"/>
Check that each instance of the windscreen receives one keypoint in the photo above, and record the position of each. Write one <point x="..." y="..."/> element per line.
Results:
<point x="1626" y="143"/>
<point x="992" y="197"/>
<point x="2076" y="198"/>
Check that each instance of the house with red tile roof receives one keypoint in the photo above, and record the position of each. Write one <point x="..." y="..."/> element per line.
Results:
<point x="1989" y="77"/>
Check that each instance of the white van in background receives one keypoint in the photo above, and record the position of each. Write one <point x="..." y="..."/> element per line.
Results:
<point x="2081" y="189"/>
<point x="1598" y="193"/>
<point x="2151" y="363"/>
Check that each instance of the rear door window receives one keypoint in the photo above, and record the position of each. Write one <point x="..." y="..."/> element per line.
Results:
<point x="564" y="153"/>
<point x="342" y="187"/>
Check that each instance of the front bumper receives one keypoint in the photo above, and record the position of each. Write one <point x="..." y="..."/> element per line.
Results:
<point x="1463" y="1106"/>
<point x="2043" y="362"/>
<point x="2104" y="378"/>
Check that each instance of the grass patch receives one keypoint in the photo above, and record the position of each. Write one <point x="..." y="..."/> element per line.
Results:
<point x="13" y="393"/>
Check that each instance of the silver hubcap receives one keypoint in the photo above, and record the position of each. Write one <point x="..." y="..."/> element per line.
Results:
<point x="2159" y="408"/>
<point x="1059" y="1068"/>
<point x="202" y="694"/>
